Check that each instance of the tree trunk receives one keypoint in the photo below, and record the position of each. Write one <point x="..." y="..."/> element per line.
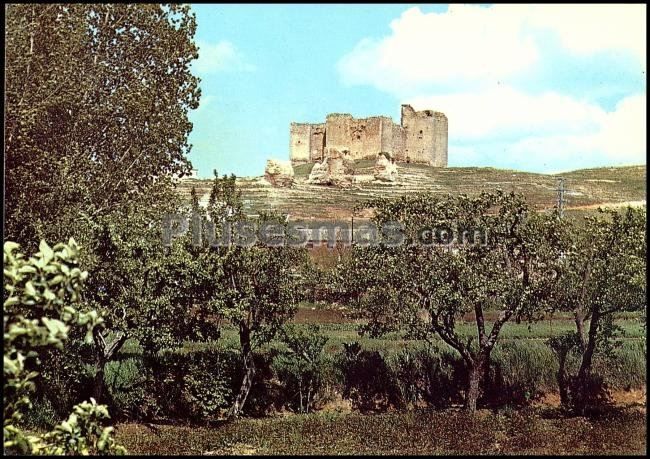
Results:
<point x="580" y="327"/>
<point x="588" y="353"/>
<point x="98" y="381"/>
<point x="104" y="353"/>
<point x="561" y="379"/>
<point x="476" y="372"/>
<point x="249" y="371"/>
<point x="585" y="365"/>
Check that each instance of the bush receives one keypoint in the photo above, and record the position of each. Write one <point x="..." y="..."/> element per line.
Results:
<point x="42" y="414"/>
<point x="130" y="389"/>
<point x="200" y="384"/>
<point x="42" y="304"/>
<point x="265" y="395"/>
<point x="426" y="375"/>
<point x="368" y="381"/>
<point x="65" y="379"/>
<point x="194" y="385"/>
<point x="519" y="373"/>
<point x="302" y="367"/>
<point x="444" y="372"/>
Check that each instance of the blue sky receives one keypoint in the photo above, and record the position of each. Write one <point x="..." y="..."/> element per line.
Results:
<point x="531" y="88"/>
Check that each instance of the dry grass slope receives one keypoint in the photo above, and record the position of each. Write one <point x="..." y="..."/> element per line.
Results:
<point x="587" y="188"/>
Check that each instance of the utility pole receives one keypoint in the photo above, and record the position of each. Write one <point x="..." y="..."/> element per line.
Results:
<point x="560" y="196"/>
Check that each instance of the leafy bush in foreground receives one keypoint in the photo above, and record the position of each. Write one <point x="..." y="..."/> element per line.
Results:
<point x="41" y="296"/>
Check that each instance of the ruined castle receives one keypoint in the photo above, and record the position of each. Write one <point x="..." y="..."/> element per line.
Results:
<point x="421" y="137"/>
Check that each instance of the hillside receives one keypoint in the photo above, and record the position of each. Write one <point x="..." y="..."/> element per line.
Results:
<point x="586" y="188"/>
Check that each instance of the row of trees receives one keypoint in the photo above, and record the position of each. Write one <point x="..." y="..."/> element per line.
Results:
<point x="524" y="265"/>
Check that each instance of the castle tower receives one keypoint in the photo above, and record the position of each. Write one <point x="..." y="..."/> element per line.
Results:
<point x="425" y="136"/>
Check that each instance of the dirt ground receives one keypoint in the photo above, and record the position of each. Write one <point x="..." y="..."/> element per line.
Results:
<point x="451" y="431"/>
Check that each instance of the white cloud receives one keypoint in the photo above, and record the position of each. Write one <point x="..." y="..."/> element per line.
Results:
<point x="552" y="125"/>
<point x="620" y="138"/>
<point x="587" y="29"/>
<point x="470" y="61"/>
<point x="469" y="44"/>
<point x="220" y="57"/>
<point x="502" y="112"/>
<point x="623" y="133"/>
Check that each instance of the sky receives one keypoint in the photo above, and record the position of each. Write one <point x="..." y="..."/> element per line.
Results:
<point x="539" y="88"/>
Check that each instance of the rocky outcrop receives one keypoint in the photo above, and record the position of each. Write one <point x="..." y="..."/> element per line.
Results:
<point x="385" y="168"/>
<point x="279" y="173"/>
<point x="337" y="168"/>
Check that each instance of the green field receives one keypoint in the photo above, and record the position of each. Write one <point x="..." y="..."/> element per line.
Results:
<point x="522" y="354"/>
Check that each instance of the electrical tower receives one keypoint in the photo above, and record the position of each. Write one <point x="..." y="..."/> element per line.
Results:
<point x="561" y="201"/>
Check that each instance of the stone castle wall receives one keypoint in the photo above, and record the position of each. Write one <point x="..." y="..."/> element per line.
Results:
<point x="420" y="138"/>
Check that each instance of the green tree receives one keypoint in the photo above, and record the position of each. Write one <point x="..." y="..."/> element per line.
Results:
<point x="258" y="280"/>
<point x="427" y="283"/>
<point x="42" y="296"/>
<point x="158" y="295"/>
<point x="97" y="101"/>
<point x="603" y="272"/>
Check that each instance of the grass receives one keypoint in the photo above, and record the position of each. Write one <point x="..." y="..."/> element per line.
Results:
<point x="521" y="355"/>
<point x="416" y="432"/>
<point x="341" y="330"/>
<point x="521" y="348"/>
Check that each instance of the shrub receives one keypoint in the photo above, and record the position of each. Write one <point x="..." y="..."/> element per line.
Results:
<point x="265" y="394"/>
<point x="444" y="372"/>
<point x="367" y="380"/>
<point x="131" y="388"/>
<point x="519" y="373"/>
<point x="301" y="368"/>
<point x="207" y="384"/>
<point x="194" y="385"/>
<point x="65" y="377"/>
<point x="41" y="304"/>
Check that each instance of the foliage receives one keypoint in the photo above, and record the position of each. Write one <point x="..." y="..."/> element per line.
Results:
<point x="501" y="257"/>
<point x="41" y="301"/>
<point x="301" y="368"/>
<point x="258" y="280"/>
<point x="367" y="380"/>
<point x="97" y="124"/>
<point x="97" y="102"/>
<point x="602" y="273"/>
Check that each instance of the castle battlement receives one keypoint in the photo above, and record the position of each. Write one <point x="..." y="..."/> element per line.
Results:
<point x="421" y="137"/>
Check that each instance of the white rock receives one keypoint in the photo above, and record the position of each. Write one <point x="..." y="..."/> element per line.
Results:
<point x="337" y="168"/>
<point x="385" y="168"/>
